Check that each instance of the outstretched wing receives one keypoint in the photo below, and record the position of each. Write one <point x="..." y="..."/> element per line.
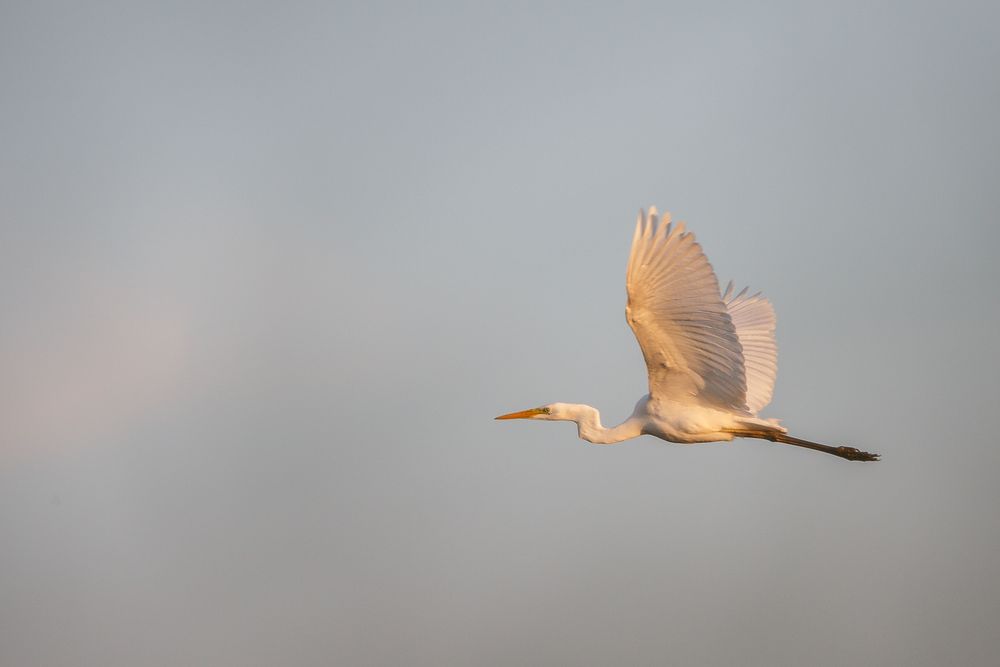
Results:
<point x="754" y="320"/>
<point x="674" y="307"/>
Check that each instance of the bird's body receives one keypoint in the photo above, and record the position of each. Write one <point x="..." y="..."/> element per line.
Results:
<point x="666" y="419"/>
<point x="710" y="356"/>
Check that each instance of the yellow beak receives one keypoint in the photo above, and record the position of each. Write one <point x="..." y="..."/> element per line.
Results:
<point x="523" y="414"/>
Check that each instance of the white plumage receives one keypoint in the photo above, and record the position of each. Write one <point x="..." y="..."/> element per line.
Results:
<point x="711" y="357"/>
<point x="674" y="307"/>
<point x="754" y="320"/>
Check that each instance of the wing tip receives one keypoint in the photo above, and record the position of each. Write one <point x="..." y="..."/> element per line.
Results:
<point x="656" y="224"/>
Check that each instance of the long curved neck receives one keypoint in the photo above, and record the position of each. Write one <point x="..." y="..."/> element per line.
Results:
<point x="588" y="421"/>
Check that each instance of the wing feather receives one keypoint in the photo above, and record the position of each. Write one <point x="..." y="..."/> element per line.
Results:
<point x="754" y="320"/>
<point x="687" y="336"/>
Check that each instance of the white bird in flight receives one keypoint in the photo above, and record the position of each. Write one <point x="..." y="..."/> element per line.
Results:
<point x="710" y="356"/>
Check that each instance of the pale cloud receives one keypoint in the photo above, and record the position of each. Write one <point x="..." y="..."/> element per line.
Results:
<point x="90" y="365"/>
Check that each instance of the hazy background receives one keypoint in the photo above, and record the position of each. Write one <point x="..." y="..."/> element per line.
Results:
<point x="269" y="270"/>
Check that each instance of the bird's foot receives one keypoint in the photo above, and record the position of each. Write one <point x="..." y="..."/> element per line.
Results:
<point x="852" y="454"/>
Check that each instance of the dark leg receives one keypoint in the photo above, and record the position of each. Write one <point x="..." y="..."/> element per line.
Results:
<point x="849" y="453"/>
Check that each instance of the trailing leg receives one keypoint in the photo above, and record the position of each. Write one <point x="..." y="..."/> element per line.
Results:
<point x="849" y="453"/>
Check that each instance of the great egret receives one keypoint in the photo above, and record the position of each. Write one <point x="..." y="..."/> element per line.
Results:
<point x="710" y="356"/>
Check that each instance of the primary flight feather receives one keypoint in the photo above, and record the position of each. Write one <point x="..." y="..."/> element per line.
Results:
<point x="710" y="356"/>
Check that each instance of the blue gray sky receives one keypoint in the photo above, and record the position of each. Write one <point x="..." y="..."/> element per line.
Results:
<point x="268" y="270"/>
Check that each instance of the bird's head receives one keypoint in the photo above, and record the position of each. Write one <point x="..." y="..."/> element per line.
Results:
<point x="550" y="412"/>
